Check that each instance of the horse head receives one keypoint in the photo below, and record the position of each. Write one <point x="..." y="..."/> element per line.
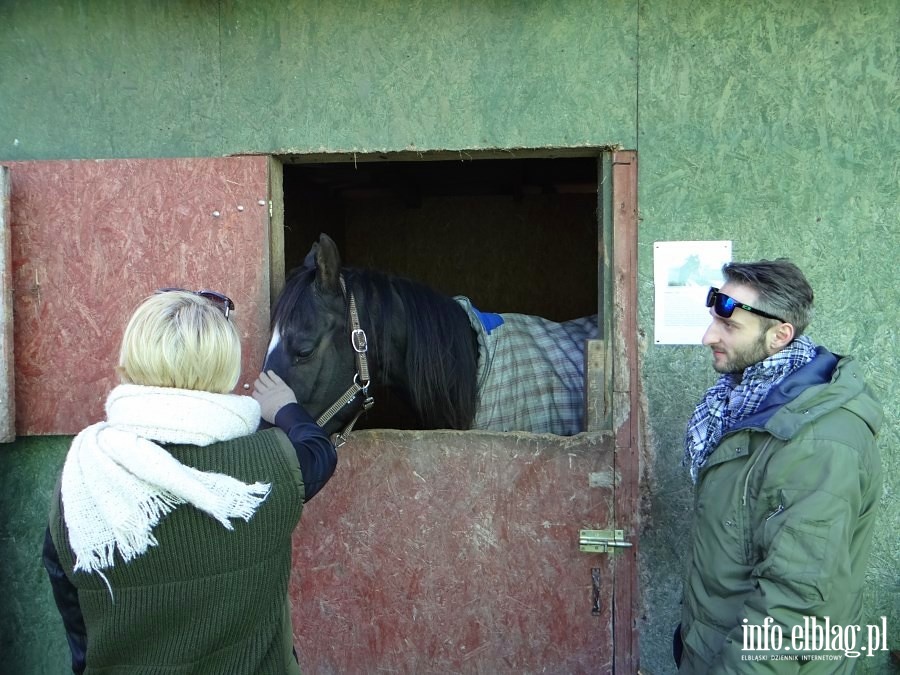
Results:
<point x="310" y="347"/>
<point x="421" y="347"/>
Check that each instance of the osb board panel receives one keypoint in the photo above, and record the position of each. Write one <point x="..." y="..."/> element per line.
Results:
<point x="225" y="77"/>
<point x="456" y="552"/>
<point x="7" y="370"/>
<point x="776" y="126"/>
<point x="92" y="239"/>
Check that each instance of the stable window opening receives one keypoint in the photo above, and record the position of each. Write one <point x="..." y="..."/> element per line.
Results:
<point x="515" y="235"/>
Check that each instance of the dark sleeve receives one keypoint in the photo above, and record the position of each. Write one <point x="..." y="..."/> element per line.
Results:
<point x="66" y="596"/>
<point x="315" y="451"/>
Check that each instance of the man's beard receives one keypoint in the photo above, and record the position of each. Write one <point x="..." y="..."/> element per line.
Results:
<point x="742" y="359"/>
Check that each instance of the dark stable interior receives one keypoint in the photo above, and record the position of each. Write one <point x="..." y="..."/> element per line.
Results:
<point x="514" y="235"/>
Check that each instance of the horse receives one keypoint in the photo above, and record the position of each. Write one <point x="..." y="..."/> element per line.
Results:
<point x="337" y="331"/>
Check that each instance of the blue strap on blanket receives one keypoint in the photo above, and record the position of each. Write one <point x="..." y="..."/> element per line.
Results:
<point x="488" y="320"/>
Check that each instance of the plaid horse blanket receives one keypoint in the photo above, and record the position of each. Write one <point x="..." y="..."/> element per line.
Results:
<point x="530" y="371"/>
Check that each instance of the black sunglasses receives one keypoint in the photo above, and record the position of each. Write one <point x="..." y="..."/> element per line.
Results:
<point x="222" y="301"/>
<point x="725" y="305"/>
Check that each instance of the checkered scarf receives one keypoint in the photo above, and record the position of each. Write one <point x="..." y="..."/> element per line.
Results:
<point x="734" y="398"/>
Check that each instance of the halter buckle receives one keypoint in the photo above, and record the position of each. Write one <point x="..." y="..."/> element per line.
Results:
<point x="359" y="341"/>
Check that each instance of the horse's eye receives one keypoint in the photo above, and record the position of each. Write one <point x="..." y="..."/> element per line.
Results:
<point x="303" y="352"/>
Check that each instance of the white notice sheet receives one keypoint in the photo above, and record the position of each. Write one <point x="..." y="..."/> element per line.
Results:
<point x="683" y="271"/>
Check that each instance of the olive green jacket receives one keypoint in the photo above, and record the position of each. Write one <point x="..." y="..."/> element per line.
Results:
<point x="784" y="511"/>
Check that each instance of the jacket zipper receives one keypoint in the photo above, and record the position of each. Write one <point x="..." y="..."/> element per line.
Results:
<point x="753" y="466"/>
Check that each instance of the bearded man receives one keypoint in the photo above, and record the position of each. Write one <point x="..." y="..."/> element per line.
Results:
<point x="787" y="480"/>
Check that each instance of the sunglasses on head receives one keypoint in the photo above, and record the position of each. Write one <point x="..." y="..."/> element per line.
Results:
<point x="724" y="305"/>
<point x="220" y="300"/>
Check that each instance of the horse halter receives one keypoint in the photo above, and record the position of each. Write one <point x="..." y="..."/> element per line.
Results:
<point x="361" y="381"/>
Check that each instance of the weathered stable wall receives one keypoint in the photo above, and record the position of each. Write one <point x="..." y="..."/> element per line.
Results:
<point x="775" y="125"/>
<point x="131" y="226"/>
<point x="772" y="124"/>
<point x="138" y="79"/>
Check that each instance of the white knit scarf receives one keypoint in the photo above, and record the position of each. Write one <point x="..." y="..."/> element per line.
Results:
<point x="117" y="483"/>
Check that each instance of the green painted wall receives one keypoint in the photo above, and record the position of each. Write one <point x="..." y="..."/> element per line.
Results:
<point x="774" y="124"/>
<point x="106" y="78"/>
<point x="32" y="639"/>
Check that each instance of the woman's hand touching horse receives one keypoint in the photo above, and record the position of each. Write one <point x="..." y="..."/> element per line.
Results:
<point x="272" y="394"/>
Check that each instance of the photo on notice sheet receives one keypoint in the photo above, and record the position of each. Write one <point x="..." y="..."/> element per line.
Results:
<point x="683" y="271"/>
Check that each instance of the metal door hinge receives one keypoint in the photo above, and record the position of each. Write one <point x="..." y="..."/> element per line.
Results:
<point x="602" y="541"/>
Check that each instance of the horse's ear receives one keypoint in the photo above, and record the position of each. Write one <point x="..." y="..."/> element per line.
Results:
<point x="328" y="264"/>
<point x="309" y="262"/>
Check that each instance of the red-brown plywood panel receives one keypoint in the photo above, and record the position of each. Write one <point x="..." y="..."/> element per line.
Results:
<point x="626" y="403"/>
<point x="456" y="552"/>
<point x="91" y="239"/>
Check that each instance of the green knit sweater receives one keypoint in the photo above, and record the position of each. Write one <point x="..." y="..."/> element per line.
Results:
<point x="206" y="600"/>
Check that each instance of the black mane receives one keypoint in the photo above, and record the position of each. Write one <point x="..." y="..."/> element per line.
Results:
<point x="293" y="301"/>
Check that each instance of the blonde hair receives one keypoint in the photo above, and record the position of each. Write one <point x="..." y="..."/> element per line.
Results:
<point x="179" y="339"/>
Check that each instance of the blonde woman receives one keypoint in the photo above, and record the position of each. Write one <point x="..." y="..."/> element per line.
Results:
<point x="169" y="544"/>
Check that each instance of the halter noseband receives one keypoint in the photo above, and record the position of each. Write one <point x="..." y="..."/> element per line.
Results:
<point x="361" y="380"/>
